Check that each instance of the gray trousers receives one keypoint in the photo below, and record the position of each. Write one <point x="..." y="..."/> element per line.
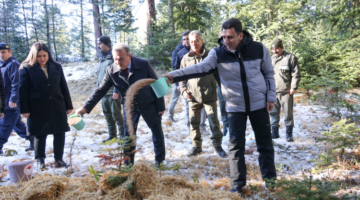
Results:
<point x="173" y="101"/>
<point x="113" y="115"/>
<point x="195" y="115"/>
<point x="286" y="103"/>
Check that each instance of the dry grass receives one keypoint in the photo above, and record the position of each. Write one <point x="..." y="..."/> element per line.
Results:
<point x="129" y="100"/>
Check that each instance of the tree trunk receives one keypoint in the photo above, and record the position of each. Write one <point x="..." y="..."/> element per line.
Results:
<point x="103" y="17"/>
<point x="32" y="19"/>
<point x="97" y="27"/>
<point x="27" y="38"/>
<point x="171" y="16"/>
<point x="150" y="19"/>
<point x="47" y="25"/>
<point x="82" y="30"/>
<point x="5" y="25"/>
<point x="54" y="31"/>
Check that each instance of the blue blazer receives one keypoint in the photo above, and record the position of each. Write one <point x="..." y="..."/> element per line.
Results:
<point x="140" y="69"/>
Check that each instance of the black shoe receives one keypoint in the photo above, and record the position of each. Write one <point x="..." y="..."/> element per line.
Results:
<point x="194" y="151"/>
<point x="270" y="186"/>
<point x="31" y="147"/>
<point x="220" y="151"/>
<point x="275" y="132"/>
<point x="235" y="191"/>
<point x="61" y="163"/>
<point x="109" y="138"/>
<point x="158" y="164"/>
<point x="289" y="131"/>
<point x="41" y="163"/>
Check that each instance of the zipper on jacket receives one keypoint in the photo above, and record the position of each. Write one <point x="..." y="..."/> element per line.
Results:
<point x="244" y="83"/>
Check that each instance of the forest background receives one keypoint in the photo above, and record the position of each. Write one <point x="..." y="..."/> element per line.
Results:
<point x="323" y="34"/>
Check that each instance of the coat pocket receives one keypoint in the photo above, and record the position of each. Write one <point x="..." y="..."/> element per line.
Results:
<point x="35" y="95"/>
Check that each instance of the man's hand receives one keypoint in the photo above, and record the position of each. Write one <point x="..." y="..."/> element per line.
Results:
<point x="12" y="105"/>
<point x="115" y="95"/>
<point x="26" y="115"/>
<point x="186" y="94"/>
<point x="269" y="106"/>
<point x="170" y="79"/>
<point x="292" y="91"/>
<point x="80" y="111"/>
<point x="161" y="113"/>
<point x="1" y="115"/>
<point x="69" y="111"/>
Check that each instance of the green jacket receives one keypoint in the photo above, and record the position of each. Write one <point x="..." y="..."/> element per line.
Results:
<point x="104" y="62"/>
<point x="202" y="89"/>
<point x="287" y="72"/>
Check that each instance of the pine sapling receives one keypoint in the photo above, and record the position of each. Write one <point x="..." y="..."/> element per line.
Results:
<point x="342" y="135"/>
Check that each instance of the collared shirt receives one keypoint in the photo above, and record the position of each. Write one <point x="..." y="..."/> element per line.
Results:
<point x="117" y="68"/>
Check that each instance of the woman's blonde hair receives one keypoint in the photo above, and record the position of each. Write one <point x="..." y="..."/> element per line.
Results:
<point x="35" y="48"/>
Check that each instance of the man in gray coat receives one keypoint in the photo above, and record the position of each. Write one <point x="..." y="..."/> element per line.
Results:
<point x="248" y="87"/>
<point x="287" y="78"/>
<point x="111" y="102"/>
<point x="201" y="94"/>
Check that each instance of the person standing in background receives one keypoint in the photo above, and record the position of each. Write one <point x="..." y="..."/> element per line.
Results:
<point x="287" y="79"/>
<point x="12" y="120"/>
<point x="111" y="102"/>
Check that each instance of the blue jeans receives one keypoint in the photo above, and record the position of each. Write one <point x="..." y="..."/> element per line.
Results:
<point x="11" y="121"/>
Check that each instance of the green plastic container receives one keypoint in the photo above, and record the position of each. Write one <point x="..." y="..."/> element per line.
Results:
<point x="80" y="125"/>
<point x="160" y="87"/>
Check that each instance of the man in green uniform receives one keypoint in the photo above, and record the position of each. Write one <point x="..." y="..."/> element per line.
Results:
<point x="111" y="102"/>
<point x="201" y="93"/>
<point x="287" y="78"/>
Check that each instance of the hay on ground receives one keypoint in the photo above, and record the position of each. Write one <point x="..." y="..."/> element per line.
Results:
<point x="129" y="101"/>
<point x="10" y="192"/>
<point x="45" y="186"/>
<point x="80" y="188"/>
<point x="145" y="180"/>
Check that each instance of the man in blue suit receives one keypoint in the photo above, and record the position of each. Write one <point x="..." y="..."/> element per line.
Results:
<point x="12" y="120"/>
<point x="125" y="71"/>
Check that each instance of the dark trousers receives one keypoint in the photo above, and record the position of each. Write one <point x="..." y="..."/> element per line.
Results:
<point x="58" y="142"/>
<point x="260" y="123"/>
<point x="11" y="121"/>
<point x="156" y="129"/>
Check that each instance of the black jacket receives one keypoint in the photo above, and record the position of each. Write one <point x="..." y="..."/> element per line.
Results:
<point x="2" y="94"/>
<point x="140" y="69"/>
<point x="46" y="99"/>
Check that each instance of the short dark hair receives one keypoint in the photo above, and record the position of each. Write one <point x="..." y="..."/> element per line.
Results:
<point x="185" y="33"/>
<point x="232" y="23"/>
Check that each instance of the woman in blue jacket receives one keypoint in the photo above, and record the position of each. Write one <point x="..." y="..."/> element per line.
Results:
<point x="45" y="101"/>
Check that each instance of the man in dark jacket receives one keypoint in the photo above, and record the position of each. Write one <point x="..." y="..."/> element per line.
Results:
<point x="287" y="78"/>
<point x="111" y="102"/>
<point x="248" y="87"/>
<point x="12" y="119"/>
<point x="125" y="71"/>
<point x="175" y="90"/>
